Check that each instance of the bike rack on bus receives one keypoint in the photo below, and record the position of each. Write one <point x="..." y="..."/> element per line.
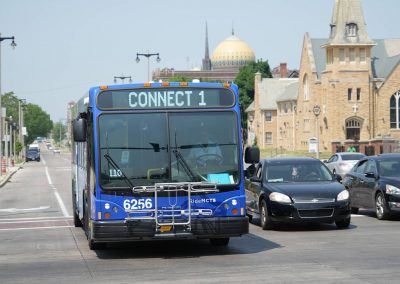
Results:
<point x="172" y="215"/>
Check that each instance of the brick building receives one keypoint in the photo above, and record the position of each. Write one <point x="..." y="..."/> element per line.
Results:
<point x="353" y="79"/>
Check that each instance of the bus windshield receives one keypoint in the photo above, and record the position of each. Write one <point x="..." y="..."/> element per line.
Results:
<point x="149" y="148"/>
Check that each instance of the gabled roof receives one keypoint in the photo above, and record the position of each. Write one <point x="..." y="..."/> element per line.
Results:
<point x="272" y="90"/>
<point x="290" y="93"/>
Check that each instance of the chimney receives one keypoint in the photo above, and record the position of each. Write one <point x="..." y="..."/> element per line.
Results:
<point x="283" y="70"/>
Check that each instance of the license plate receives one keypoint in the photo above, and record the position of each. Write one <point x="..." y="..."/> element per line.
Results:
<point x="165" y="229"/>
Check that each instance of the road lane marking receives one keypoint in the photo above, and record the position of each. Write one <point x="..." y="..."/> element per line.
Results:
<point x="44" y="223"/>
<point x="14" y="210"/>
<point x="48" y="176"/>
<point x="34" y="218"/>
<point x="58" y="197"/>
<point x="36" y="228"/>
<point x="61" y="203"/>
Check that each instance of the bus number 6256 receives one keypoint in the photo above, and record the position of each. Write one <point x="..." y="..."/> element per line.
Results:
<point x="135" y="204"/>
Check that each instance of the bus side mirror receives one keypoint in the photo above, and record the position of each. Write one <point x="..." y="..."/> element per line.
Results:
<point x="252" y="155"/>
<point x="79" y="129"/>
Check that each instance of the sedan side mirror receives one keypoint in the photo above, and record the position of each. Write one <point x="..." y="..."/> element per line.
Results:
<point x="338" y="178"/>
<point x="255" y="179"/>
<point x="370" y="175"/>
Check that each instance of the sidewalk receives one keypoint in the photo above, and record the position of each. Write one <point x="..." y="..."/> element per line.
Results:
<point x="4" y="178"/>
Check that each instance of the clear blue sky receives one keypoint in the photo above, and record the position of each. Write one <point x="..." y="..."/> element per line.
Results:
<point x="66" y="46"/>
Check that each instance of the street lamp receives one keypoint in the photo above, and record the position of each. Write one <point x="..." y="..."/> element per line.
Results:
<point x="317" y="111"/>
<point x="61" y="126"/>
<point x="122" y="78"/>
<point x="148" y="55"/>
<point x="20" y="126"/>
<point x="13" y="45"/>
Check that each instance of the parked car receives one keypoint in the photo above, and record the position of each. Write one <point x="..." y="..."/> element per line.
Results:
<point x="374" y="182"/>
<point x="341" y="163"/>
<point x="296" y="190"/>
<point x="32" y="155"/>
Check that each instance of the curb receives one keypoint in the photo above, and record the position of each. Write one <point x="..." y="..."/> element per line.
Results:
<point x="8" y="176"/>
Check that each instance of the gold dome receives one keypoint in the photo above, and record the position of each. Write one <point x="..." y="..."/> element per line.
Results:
<point x="232" y="53"/>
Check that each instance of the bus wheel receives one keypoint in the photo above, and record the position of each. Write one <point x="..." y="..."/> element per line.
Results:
<point x="219" y="241"/>
<point x="77" y="221"/>
<point x="94" y="245"/>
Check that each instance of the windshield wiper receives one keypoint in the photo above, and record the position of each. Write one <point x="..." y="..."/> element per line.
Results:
<point x="115" y="166"/>
<point x="181" y="160"/>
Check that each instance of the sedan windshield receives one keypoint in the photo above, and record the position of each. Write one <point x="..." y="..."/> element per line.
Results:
<point x="144" y="149"/>
<point x="304" y="171"/>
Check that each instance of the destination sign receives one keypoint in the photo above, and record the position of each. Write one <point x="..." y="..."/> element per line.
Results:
<point x="161" y="98"/>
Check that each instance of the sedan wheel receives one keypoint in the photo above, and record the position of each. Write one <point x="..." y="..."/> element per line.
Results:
<point x="382" y="212"/>
<point x="343" y="224"/>
<point x="266" y="222"/>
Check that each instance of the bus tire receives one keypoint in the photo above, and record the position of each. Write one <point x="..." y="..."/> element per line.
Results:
<point x="219" y="241"/>
<point x="77" y="221"/>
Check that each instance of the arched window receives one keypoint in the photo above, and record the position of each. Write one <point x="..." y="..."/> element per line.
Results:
<point x="351" y="29"/>
<point x="353" y="129"/>
<point x="306" y="89"/>
<point x="395" y="110"/>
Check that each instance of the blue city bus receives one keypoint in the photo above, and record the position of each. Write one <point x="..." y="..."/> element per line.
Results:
<point x="158" y="161"/>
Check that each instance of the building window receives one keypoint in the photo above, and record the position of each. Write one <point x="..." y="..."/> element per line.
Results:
<point x="306" y="125"/>
<point x="363" y="55"/>
<point x="353" y="127"/>
<point x="306" y="89"/>
<point x="342" y="57"/>
<point x="268" y="116"/>
<point x="329" y="56"/>
<point x="351" y="29"/>
<point x="358" y="94"/>
<point x="395" y="110"/>
<point x="268" y="137"/>
<point x="352" y="55"/>
<point x="349" y="90"/>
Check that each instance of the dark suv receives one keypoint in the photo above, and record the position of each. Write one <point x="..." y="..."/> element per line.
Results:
<point x="32" y="155"/>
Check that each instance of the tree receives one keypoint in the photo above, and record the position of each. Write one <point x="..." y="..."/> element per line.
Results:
<point x="10" y="102"/>
<point x="245" y="82"/>
<point x="37" y="122"/>
<point x="59" y="132"/>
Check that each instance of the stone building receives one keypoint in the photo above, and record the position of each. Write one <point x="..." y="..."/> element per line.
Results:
<point x="355" y="82"/>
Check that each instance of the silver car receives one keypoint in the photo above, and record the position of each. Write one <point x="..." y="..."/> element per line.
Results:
<point x="341" y="163"/>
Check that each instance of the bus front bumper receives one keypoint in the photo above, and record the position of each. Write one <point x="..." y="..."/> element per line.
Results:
<point x="132" y="230"/>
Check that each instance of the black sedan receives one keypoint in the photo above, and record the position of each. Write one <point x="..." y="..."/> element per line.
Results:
<point x="374" y="182"/>
<point x="296" y="190"/>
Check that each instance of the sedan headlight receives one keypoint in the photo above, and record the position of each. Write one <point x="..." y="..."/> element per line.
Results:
<point x="343" y="195"/>
<point x="390" y="189"/>
<point x="279" y="197"/>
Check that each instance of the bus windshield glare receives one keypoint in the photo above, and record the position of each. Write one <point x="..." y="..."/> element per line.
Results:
<point x="141" y="149"/>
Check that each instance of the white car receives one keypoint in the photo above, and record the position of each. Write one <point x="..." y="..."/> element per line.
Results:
<point x="341" y="163"/>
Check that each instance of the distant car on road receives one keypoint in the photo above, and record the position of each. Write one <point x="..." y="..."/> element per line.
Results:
<point x="296" y="190"/>
<point x="56" y="151"/>
<point x="341" y="163"/>
<point x="374" y="182"/>
<point x="32" y="155"/>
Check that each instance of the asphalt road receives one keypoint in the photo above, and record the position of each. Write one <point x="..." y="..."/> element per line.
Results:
<point x="38" y="244"/>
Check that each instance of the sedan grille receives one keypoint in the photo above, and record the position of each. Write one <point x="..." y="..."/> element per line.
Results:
<point x="315" y="213"/>
<point x="314" y="200"/>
